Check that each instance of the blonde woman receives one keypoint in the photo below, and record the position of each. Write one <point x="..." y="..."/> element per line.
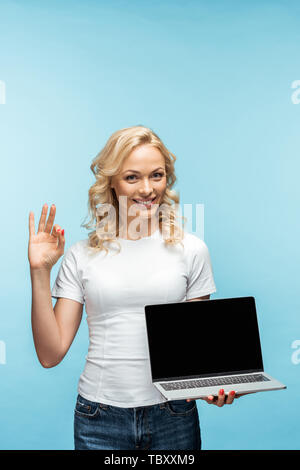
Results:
<point x="136" y="254"/>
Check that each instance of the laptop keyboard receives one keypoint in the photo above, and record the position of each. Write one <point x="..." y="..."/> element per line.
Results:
<point x="238" y="379"/>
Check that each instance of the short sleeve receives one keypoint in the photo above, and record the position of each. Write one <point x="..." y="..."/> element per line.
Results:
<point x="200" y="272"/>
<point x="68" y="283"/>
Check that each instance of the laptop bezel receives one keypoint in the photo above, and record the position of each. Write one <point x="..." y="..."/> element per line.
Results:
<point x="218" y="374"/>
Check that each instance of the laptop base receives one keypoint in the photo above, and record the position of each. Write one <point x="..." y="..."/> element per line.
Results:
<point x="201" y="392"/>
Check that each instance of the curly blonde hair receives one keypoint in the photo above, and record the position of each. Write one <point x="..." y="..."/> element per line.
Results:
<point x="107" y="163"/>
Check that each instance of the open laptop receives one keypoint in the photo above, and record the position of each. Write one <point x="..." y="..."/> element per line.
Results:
<point x="198" y="347"/>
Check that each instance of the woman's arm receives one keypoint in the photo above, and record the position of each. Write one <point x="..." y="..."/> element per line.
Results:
<point x="53" y="329"/>
<point x="46" y="335"/>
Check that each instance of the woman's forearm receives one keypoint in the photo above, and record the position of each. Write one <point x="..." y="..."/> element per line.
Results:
<point x="46" y="335"/>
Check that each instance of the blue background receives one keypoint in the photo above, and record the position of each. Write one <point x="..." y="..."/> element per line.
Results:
<point x="213" y="79"/>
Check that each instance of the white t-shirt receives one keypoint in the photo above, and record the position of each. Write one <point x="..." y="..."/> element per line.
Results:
<point x="115" y="288"/>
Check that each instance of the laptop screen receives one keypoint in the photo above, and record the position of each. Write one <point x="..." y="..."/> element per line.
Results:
<point x="203" y="338"/>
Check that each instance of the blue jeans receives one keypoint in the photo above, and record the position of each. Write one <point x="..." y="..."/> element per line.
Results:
<point x="173" y="425"/>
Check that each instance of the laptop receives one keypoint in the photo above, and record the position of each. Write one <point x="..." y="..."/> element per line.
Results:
<point x="198" y="347"/>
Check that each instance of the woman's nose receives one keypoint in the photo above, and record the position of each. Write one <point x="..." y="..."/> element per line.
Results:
<point x="146" y="188"/>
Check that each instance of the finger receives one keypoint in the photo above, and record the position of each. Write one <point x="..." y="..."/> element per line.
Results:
<point x="210" y="400"/>
<point x="203" y="398"/>
<point x="61" y="240"/>
<point x="221" y="398"/>
<point x="230" y="398"/>
<point x="51" y="218"/>
<point x="56" y="230"/>
<point x="31" y="224"/>
<point x="43" y="218"/>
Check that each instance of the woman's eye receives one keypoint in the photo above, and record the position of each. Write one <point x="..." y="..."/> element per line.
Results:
<point x="133" y="176"/>
<point x="129" y="176"/>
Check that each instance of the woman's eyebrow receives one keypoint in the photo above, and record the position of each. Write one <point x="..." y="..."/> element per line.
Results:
<point x="135" y="171"/>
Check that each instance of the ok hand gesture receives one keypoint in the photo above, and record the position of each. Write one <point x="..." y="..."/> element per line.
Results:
<point x="45" y="247"/>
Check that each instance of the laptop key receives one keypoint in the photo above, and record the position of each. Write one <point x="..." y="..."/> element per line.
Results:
<point x="214" y="382"/>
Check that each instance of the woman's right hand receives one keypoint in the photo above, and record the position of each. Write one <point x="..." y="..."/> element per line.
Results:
<point x="45" y="248"/>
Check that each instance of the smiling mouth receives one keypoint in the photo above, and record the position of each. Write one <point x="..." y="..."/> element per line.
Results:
<point x="146" y="203"/>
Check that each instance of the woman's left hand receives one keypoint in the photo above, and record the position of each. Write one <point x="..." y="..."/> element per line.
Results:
<point x="221" y="399"/>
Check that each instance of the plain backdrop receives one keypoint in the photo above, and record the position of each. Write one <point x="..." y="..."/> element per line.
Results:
<point x="214" y="80"/>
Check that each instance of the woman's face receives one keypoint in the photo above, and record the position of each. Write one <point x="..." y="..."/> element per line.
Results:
<point x="142" y="177"/>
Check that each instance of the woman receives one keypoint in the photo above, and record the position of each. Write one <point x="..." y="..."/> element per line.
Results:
<point x="137" y="254"/>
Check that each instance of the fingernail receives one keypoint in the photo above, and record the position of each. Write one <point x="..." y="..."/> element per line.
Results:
<point x="58" y="230"/>
<point x="63" y="232"/>
<point x="232" y="393"/>
<point x="221" y="391"/>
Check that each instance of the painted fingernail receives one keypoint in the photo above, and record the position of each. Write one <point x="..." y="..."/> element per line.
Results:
<point x="63" y="232"/>
<point x="221" y="391"/>
<point x="232" y="393"/>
